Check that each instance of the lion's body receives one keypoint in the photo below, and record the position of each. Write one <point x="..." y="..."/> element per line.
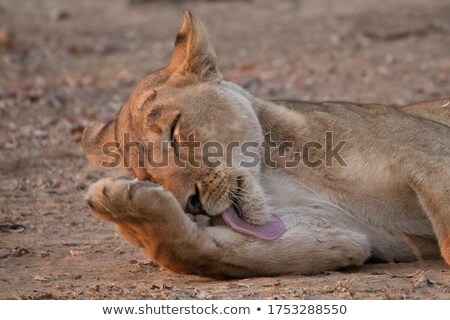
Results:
<point x="372" y="187"/>
<point x="384" y="145"/>
<point x="374" y="182"/>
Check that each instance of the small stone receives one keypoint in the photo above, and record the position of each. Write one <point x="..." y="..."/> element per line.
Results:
<point x="44" y="254"/>
<point x="204" y="295"/>
<point x="59" y="14"/>
<point x="4" y="253"/>
<point x="40" y="134"/>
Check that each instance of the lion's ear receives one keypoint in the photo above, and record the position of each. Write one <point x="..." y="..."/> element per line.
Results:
<point x="100" y="145"/>
<point x="192" y="53"/>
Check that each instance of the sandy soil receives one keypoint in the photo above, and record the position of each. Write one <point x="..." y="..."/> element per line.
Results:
<point x="65" y="63"/>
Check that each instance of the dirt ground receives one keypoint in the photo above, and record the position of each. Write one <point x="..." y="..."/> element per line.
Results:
<point x="65" y="63"/>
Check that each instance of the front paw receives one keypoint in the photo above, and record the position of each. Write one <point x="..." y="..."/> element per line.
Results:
<point x="123" y="198"/>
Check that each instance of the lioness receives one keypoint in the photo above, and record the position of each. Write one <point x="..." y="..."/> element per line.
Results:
<point x="373" y="180"/>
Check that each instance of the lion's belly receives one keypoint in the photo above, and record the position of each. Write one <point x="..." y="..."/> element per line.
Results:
<point x="382" y="207"/>
<point x="391" y="210"/>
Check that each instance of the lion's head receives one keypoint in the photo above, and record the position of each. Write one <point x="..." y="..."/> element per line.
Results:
<point x="170" y="116"/>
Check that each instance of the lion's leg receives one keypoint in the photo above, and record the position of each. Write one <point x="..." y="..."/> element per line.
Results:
<point x="150" y="217"/>
<point x="432" y="187"/>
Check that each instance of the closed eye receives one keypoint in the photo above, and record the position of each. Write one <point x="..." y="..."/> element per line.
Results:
<point x="173" y="141"/>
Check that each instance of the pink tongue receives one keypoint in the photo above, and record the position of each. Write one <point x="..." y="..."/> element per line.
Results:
<point x="271" y="230"/>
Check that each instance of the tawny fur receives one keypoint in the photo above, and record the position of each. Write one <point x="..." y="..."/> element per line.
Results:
<point x="389" y="201"/>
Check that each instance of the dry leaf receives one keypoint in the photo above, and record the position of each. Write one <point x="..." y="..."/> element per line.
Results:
<point x="40" y="278"/>
<point x="11" y="227"/>
<point x="77" y="253"/>
<point x="19" y="251"/>
<point x="6" y="38"/>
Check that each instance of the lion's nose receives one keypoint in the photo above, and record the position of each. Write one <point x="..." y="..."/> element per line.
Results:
<point x="194" y="205"/>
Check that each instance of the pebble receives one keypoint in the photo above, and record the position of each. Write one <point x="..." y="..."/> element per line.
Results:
<point x="4" y="253"/>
